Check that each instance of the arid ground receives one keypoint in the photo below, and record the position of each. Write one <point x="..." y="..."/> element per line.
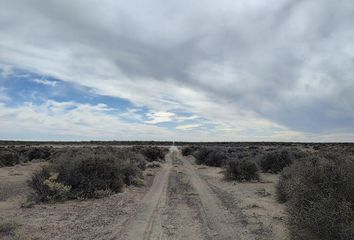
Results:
<point x="180" y="200"/>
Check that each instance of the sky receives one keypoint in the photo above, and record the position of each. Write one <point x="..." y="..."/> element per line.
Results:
<point x="226" y="70"/>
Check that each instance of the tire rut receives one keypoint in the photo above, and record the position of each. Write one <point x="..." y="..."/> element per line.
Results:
<point x="148" y="221"/>
<point x="171" y="203"/>
<point x="222" y="223"/>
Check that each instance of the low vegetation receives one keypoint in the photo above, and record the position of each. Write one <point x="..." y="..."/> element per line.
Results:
<point x="238" y="165"/>
<point x="316" y="183"/>
<point x="241" y="170"/>
<point x="10" y="156"/>
<point x="89" y="172"/>
<point x="154" y="153"/>
<point x="275" y="161"/>
<point x="189" y="150"/>
<point x="210" y="156"/>
<point x="319" y="194"/>
<point x="8" y="228"/>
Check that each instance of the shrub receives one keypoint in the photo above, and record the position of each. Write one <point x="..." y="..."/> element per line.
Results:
<point x="189" y="150"/>
<point x="201" y="155"/>
<point x="275" y="161"/>
<point x="8" y="158"/>
<point x="153" y="165"/>
<point x="241" y="170"/>
<point x="38" y="153"/>
<point x="210" y="157"/>
<point x="8" y="227"/>
<point x="84" y="175"/>
<point x="284" y="188"/>
<point x="319" y="192"/>
<point x="154" y="153"/>
<point x="15" y="155"/>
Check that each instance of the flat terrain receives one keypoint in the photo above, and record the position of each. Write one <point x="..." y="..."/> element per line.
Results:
<point x="180" y="200"/>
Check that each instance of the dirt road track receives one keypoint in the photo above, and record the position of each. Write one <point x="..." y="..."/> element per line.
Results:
<point x="148" y="222"/>
<point x="151" y="216"/>
<point x="223" y="225"/>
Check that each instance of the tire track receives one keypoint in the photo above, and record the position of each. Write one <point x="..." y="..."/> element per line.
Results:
<point x="148" y="222"/>
<point x="223" y="224"/>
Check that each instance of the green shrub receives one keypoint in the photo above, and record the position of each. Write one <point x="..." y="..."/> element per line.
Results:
<point x="319" y="193"/>
<point x="46" y="186"/>
<point x="241" y="170"/>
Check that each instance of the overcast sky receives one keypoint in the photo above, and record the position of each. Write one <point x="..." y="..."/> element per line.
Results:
<point x="226" y="70"/>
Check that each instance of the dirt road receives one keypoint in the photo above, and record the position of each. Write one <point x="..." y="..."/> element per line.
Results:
<point x="148" y="222"/>
<point x="181" y="205"/>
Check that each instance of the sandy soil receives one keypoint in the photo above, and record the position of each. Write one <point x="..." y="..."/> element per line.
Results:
<point x="102" y="218"/>
<point x="180" y="201"/>
<point x="264" y="216"/>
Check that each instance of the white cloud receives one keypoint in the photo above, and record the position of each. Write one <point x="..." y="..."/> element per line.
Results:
<point x="188" y="127"/>
<point x="45" y="82"/>
<point x="3" y="96"/>
<point x="245" y="66"/>
<point x="160" y="117"/>
<point x="5" y="70"/>
<point x="72" y="120"/>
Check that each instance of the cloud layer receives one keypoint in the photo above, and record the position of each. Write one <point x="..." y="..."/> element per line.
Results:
<point x="230" y="70"/>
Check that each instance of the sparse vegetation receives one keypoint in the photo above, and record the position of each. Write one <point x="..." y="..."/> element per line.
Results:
<point x="316" y="181"/>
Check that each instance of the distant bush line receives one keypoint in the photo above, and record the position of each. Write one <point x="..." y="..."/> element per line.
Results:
<point x="10" y="156"/>
<point x="244" y="163"/>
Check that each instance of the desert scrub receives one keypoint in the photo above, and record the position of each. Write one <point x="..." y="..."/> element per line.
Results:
<point x="319" y="194"/>
<point x="188" y="150"/>
<point x="8" y="158"/>
<point x="241" y="170"/>
<point x="58" y="191"/>
<point x="84" y="174"/>
<point x="8" y="227"/>
<point x="46" y="186"/>
<point x="154" y="153"/>
<point x="275" y="161"/>
<point x="210" y="156"/>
